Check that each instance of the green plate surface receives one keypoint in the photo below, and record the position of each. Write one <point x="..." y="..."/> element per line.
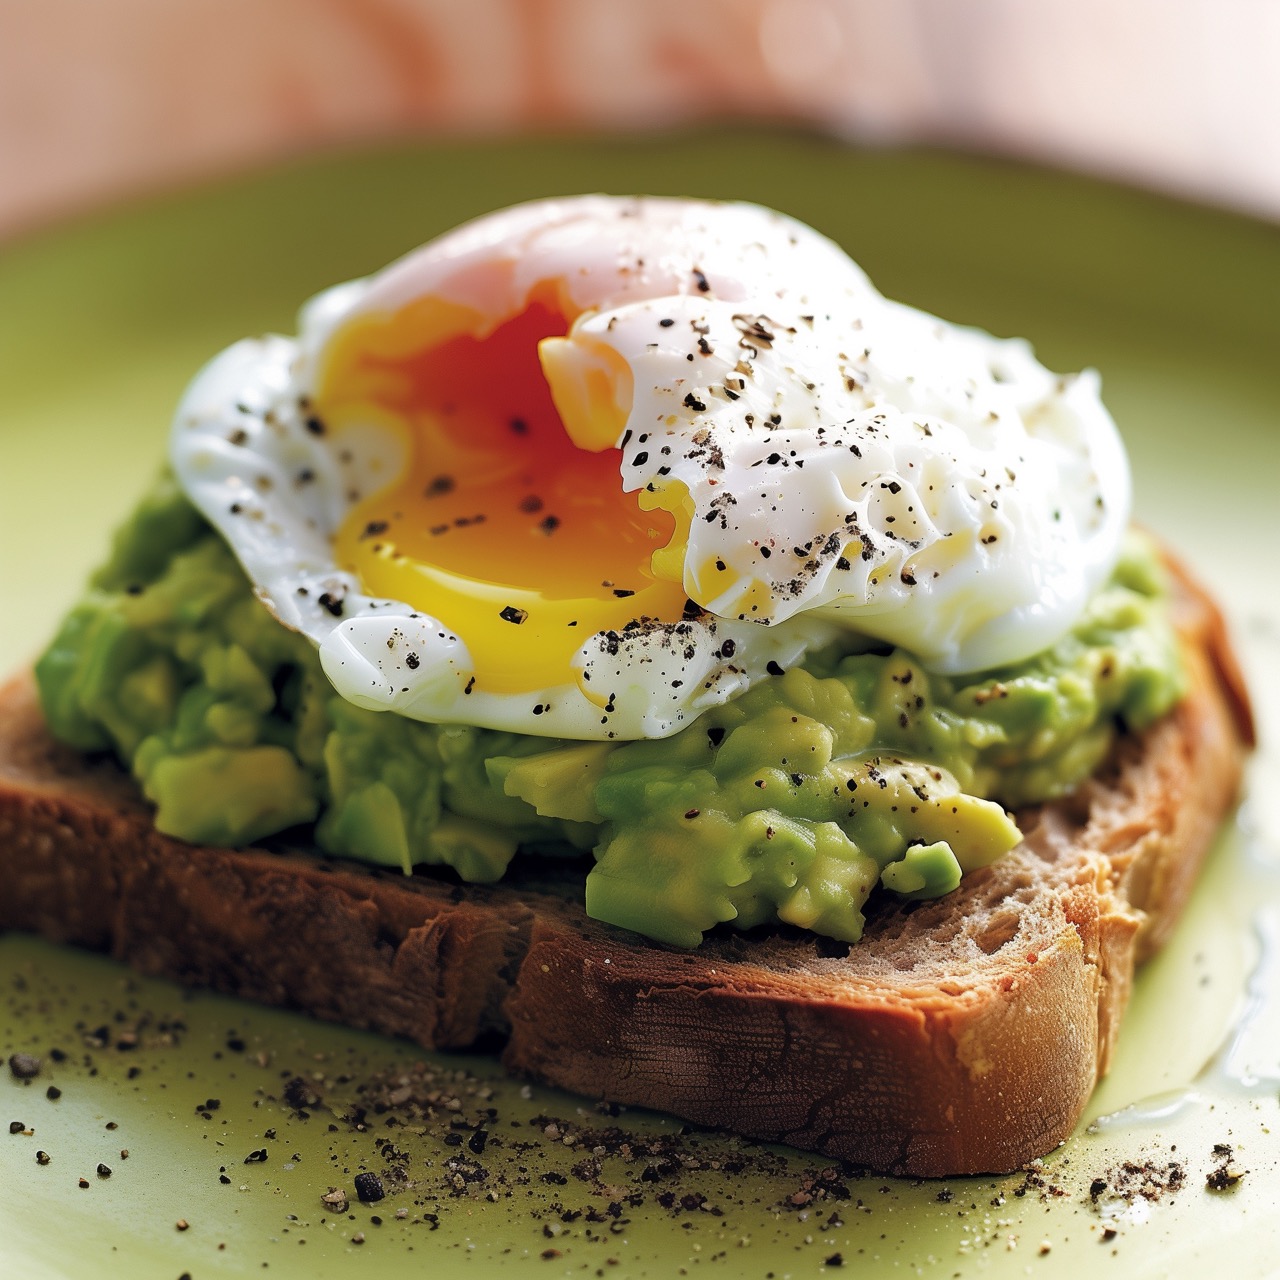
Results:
<point x="102" y="323"/>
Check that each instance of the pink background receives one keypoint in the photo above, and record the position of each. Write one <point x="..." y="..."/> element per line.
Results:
<point x="102" y="97"/>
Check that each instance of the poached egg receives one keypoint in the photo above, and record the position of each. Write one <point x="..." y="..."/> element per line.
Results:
<point x="587" y="467"/>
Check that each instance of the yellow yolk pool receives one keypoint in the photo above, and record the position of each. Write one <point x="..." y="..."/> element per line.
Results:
<point x="500" y="525"/>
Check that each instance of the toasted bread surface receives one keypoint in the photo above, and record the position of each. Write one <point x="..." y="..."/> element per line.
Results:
<point x="961" y="1035"/>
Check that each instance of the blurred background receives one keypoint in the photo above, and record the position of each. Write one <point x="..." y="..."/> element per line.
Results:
<point x="99" y="98"/>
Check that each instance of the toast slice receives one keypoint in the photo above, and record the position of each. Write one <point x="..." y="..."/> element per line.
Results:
<point x="961" y="1035"/>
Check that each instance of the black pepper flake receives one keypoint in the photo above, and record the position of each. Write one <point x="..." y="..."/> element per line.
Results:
<point x="369" y="1187"/>
<point x="471" y="684"/>
<point x="715" y="735"/>
<point x="622" y="593"/>
<point x="17" y="1126"/>
<point x="373" y="529"/>
<point x="1227" y="1174"/>
<point x="412" y="661"/>
<point x="53" y="1093"/>
<point x="511" y="614"/>
<point x="315" y="426"/>
<point x="331" y="603"/>
<point x="692" y="402"/>
<point x="549" y="524"/>
<point x="666" y="324"/>
<point x="641" y="458"/>
<point x="773" y="668"/>
<point x="439" y="486"/>
<point x="531" y="505"/>
<point x="692" y="813"/>
<point x="704" y="346"/>
<point x="256" y="1157"/>
<point x="43" y="1157"/>
<point x="24" y="1066"/>
<point x="519" y="426"/>
<point x="701" y="281"/>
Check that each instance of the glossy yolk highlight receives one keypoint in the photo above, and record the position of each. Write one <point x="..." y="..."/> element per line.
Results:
<point x="519" y="540"/>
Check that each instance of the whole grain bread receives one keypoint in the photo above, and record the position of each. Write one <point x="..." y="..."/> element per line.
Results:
<point x="961" y="1035"/>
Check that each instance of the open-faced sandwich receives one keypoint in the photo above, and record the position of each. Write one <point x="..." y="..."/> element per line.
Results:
<point x="618" y="633"/>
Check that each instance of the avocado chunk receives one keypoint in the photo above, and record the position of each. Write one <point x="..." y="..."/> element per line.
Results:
<point x="228" y="796"/>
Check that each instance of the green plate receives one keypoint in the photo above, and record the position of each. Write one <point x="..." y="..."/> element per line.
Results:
<point x="101" y="325"/>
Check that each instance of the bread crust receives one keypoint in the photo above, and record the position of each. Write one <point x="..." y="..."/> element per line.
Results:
<point x="962" y="1035"/>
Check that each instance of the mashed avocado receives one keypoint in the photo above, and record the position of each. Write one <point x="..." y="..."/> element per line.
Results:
<point x="789" y="804"/>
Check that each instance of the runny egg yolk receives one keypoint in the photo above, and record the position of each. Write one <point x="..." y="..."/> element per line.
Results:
<point x="508" y="521"/>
